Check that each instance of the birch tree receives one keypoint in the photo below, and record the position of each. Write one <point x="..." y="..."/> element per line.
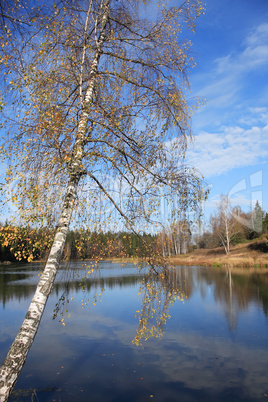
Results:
<point x="94" y="92"/>
<point x="223" y="223"/>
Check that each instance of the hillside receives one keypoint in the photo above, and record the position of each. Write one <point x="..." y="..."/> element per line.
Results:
<point x="252" y="254"/>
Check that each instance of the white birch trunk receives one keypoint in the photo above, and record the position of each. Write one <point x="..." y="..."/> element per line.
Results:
<point x="175" y="243"/>
<point x="227" y="237"/>
<point x="163" y="243"/>
<point x="18" y="351"/>
<point x="178" y="238"/>
<point x="184" y="237"/>
<point x="183" y="244"/>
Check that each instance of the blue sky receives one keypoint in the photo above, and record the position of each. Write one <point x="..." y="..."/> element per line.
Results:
<point x="230" y="149"/>
<point x="231" y="131"/>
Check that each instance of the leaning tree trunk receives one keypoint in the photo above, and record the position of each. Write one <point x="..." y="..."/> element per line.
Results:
<point x="18" y="351"/>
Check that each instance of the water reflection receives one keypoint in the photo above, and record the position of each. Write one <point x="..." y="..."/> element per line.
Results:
<point x="158" y="290"/>
<point x="18" y="282"/>
<point x="235" y="292"/>
<point x="213" y="346"/>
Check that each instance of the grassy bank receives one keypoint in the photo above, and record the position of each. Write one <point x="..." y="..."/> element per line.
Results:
<point x="253" y="254"/>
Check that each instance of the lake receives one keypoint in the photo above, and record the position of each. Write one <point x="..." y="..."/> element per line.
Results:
<point x="198" y="334"/>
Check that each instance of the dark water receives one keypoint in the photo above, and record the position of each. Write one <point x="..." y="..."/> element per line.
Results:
<point x="213" y="346"/>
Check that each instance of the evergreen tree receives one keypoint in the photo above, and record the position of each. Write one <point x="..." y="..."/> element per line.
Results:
<point x="257" y="218"/>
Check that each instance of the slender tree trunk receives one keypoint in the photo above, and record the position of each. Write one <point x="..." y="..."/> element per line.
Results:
<point x="175" y="243"/>
<point x="184" y="238"/>
<point x="18" y="351"/>
<point x="178" y="238"/>
<point x="163" y="243"/>
<point x="226" y="223"/>
<point x="183" y="244"/>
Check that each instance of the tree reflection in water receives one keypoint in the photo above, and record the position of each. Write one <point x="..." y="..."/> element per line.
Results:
<point x="233" y="289"/>
<point x="159" y="288"/>
<point x="214" y="347"/>
<point x="158" y="291"/>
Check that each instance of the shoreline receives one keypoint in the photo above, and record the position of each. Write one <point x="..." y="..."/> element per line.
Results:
<point x="221" y="261"/>
<point x="250" y="255"/>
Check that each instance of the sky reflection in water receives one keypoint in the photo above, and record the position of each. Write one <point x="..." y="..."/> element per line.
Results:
<point x="214" y="346"/>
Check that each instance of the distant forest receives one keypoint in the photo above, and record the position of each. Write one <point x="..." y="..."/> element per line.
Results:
<point x="26" y="244"/>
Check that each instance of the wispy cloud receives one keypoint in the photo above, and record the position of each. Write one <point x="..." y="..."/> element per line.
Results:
<point x="258" y="36"/>
<point x="232" y="147"/>
<point x="254" y="55"/>
<point x="234" y="124"/>
<point x="229" y="75"/>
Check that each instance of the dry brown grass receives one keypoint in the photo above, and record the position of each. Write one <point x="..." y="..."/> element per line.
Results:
<point x="252" y="254"/>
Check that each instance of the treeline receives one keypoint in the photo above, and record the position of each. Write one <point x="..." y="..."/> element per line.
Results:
<point x="86" y="244"/>
<point x="230" y="226"/>
<point x="18" y="243"/>
<point x="24" y="244"/>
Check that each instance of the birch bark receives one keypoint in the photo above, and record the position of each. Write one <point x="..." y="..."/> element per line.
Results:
<point x="18" y="351"/>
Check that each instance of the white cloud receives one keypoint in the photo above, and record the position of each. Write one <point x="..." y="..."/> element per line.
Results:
<point x="258" y="36"/>
<point x="230" y="74"/>
<point x="259" y="114"/>
<point x="216" y="153"/>
<point x="255" y="54"/>
<point x="232" y="129"/>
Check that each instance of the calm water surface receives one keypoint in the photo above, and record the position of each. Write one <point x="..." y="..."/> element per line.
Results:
<point x="213" y="346"/>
